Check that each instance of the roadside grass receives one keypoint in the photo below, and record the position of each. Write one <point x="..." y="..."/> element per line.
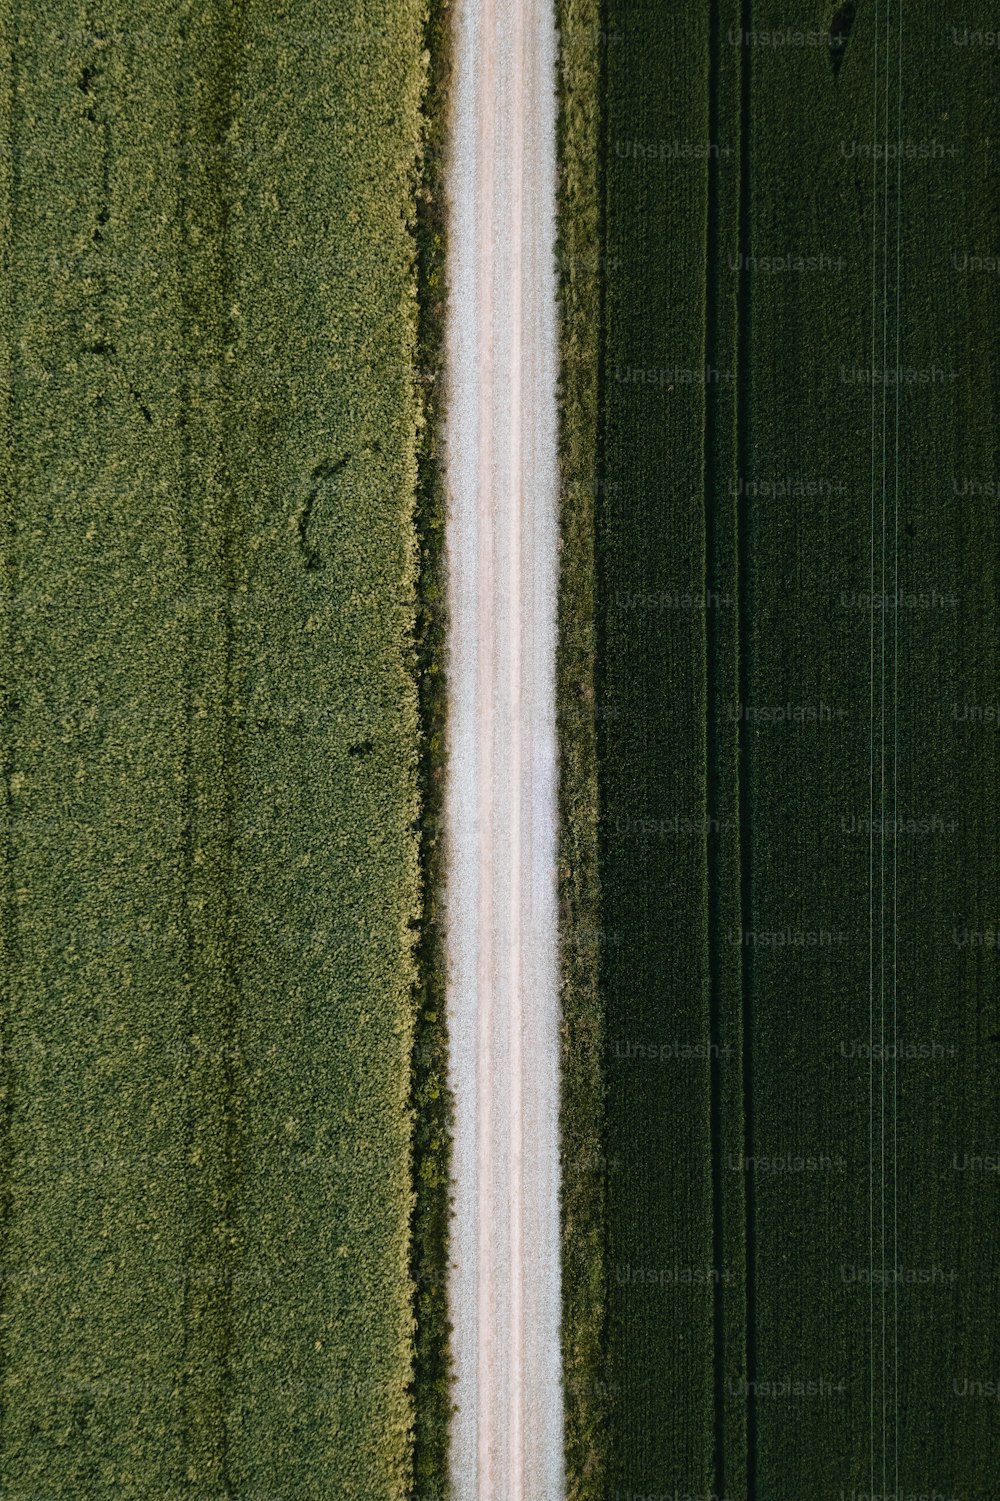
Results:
<point x="431" y="1095"/>
<point x="582" y="1166"/>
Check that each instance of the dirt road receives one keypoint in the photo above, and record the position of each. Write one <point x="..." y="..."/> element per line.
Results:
<point x="502" y="541"/>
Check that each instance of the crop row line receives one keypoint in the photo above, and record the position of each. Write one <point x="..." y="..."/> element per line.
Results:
<point x="883" y="763"/>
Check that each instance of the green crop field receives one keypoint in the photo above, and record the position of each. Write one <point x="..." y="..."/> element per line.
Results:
<point x="793" y="1234"/>
<point x="652" y="691"/>
<point x="211" y="433"/>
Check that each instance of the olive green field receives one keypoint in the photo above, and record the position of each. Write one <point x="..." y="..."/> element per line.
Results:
<point x="212" y="419"/>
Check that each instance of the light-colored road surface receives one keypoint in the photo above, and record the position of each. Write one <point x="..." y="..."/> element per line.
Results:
<point x="502" y="544"/>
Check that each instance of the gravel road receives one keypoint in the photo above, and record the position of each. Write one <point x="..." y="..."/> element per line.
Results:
<point x="502" y="544"/>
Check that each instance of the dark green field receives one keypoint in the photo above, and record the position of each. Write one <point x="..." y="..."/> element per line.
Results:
<point x="210" y="747"/>
<point x="797" y="783"/>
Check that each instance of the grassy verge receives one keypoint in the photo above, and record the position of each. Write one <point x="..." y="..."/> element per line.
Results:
<point x="583" y="1165"/>
<point x="210" y="740"/>
<point x="431" y="1097"/>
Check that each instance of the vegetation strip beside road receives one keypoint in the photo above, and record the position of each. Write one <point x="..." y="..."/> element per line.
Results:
<point x="432" y="1105"/>
<point x="583" y="1166"/>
